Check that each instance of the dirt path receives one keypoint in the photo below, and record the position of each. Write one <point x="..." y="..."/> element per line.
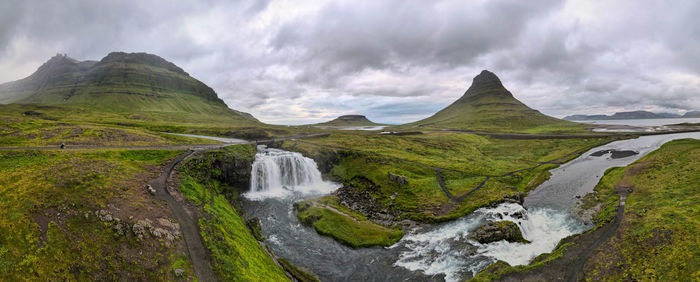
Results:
<point x="195" y="147"/>
<point x="574" y="272"/>
<point x="187" y="216"/>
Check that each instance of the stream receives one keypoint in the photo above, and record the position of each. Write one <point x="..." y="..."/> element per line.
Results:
<point x="440" y="252"/>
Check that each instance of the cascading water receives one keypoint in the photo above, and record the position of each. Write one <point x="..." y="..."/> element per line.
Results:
<point x="549" y="215"/>
<point x="438" y="252"/>
<point x="278" y="173"/>
<point x="448" y="250"/>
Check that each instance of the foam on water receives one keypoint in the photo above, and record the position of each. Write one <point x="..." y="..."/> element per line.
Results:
<point x="448" y="250"/>
<point x="280" y="174"/>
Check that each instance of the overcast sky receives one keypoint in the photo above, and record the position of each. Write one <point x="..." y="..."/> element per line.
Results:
<point x="395" y="61"/>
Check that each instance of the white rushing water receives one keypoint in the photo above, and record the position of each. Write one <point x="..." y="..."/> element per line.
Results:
<point x="448" y="249"/>
<point x="278" y="173"/>
<point x="550" y="216"/>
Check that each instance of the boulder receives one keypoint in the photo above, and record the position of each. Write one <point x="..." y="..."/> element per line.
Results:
<point x="497" y="231"/>
<point x="179" y="272"/>
<point x="401" y="180"/>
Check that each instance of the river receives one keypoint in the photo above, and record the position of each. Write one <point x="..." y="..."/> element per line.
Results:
<point x="439" y="252"/>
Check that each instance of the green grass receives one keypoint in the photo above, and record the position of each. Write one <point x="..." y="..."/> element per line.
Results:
<point x="659" y="233"/>
<point x="493" y="109"/>
<point x="236" y="254"/>
<point x="348" y="228"/>
<point x="57" y="188"/>
<point x="500" y="268"/>
<point x="415" y="157"/>
<point x="657" y="239"/>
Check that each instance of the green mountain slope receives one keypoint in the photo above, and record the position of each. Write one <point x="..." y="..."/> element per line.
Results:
<point x="488" y="106"/>
<point x="349" y="120"/>
<point x="142" y="84"/>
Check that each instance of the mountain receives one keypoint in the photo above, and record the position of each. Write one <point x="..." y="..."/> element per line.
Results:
<point x="488" y="106"/>
<point x="585" y="117"/>
<point x="692" y="114"/>
<point x="349" y="120"/>
<point x="135" y="83"/>
<point x="625" y="115"/>
<point x="669" y="115"/>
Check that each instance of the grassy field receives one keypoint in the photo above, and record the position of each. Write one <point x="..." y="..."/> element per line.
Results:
<point x="362" y="162"/>
<point x="236" y="254"/>
<point x="658" y="238"/>
<point x="48" y="229"/>
<point x="34" y="125"/>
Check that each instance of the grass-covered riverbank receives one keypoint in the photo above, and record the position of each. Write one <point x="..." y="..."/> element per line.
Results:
<point x="430" y="177"/>
<point x="236" y="254"/>
<point x="654" y="237"/>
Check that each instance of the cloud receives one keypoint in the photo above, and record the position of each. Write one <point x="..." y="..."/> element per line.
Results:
<point x="291" y="62"/>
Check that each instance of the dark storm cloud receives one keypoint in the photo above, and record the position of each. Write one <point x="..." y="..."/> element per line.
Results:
<point x="394" y="61"/>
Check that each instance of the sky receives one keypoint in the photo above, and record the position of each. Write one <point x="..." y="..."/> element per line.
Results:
<point x="394" y="61"/>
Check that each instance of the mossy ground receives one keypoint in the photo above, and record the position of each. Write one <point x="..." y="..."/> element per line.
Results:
<point x="37" y="125"/>
<point x="48" y="230"/>
<point x="329" y="218"/>
<point x="465" y="161"/>
<point x="236" y="254"/>
<point x="658" y="237"/>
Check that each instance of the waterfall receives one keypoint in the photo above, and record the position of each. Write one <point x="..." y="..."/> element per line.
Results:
<point x="448" y="250"/>
<point x="278" y="173"/>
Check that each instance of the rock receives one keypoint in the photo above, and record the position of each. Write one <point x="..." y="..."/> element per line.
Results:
<point x="104" y="215"/>
<point x="398" y="179"/>
<point x="141" y="228"/>
<point x="151" y="190"/>
<point x="179" y="272"/>
<point x="119" y="228"/>
<point x="497" y="231"/>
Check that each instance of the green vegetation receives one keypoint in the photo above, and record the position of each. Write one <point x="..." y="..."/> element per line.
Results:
<point x="488" y="106"/>
<point x="658" y="236"/>
<point x="500" y="268"/>
<point x="349" y="120"/>
<point x="299" y="274"/>
<point x="331" y="219"/>
<point x="48" y="229"/>
<point x="464" y="160"/>
<point x="236" y="254"/>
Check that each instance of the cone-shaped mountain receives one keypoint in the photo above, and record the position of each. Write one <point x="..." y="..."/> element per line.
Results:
<point x="489" y="106"/>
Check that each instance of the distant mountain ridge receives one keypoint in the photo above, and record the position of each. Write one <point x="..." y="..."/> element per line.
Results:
<point x="633" y="115"/>
<point x="488" y="106"/>
<point x="119" y="82"/>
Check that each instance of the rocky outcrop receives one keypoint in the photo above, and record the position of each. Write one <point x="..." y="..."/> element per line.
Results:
<point x="497" y="231"/>
<point x="223" y="166"/>
<point x="401" y="180"/>
<point x="518" y="198"/>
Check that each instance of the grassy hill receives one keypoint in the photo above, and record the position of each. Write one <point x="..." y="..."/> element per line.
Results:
<point x="488" y="106"/>
<point x="144" y="86"/>
<point x="349" y="120"/>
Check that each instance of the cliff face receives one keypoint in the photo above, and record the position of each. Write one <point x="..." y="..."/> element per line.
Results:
<point x="123" y="83"/>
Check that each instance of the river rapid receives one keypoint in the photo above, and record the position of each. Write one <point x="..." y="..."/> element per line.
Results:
<point x="440" y="252"/>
